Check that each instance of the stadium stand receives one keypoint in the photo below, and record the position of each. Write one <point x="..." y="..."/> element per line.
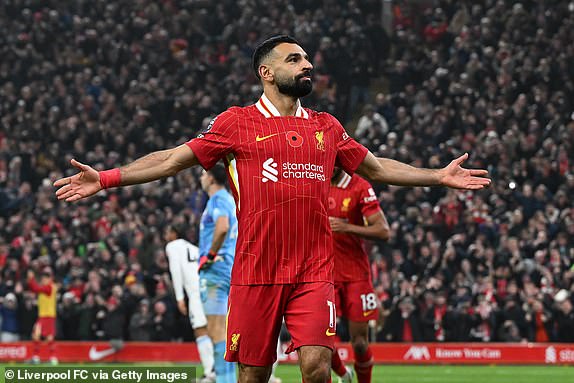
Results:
<point x="107" y="81"/>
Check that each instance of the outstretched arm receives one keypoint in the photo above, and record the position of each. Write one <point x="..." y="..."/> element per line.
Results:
<point x="156" y="165"/>
<point x="397" y="173"/>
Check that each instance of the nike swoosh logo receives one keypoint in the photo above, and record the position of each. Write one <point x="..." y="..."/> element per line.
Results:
<point x="367" y="313"/>
<point x="97" y="355"/>
<point x="259" y="139"/>
<point x="329" y="333"/>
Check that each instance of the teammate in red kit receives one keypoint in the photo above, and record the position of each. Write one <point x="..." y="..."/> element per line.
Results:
<point x="352" y="203"/>
<point x="45" y="326"/>
<point x="280" y="158"/>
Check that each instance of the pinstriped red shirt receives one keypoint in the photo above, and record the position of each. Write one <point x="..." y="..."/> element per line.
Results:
<point x="353" y="199"/>
<point x="279" y="170"/>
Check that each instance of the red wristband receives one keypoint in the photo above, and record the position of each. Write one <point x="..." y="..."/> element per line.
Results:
<point x="110" y="178"/>
<point x="211" y="255"/>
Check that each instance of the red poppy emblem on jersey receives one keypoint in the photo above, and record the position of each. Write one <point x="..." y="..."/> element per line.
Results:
<point x="332" y="203"/>
<point x="294" y="139"/>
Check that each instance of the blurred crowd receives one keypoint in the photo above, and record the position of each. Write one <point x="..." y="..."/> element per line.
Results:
<point x="106" y="82"/>
<point x="494" y="79"/>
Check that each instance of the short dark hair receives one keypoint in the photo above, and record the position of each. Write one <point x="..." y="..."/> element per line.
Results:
<point x="263" y="49"/>
<point x="219" y="174"/>
<point x="177" y="229"/>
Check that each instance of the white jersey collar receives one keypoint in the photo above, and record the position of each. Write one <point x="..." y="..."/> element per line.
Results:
<point x="344" y="181"/>
<point x="266" y="107"/>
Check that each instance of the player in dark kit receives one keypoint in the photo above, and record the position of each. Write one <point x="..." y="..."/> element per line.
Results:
<point x="280" y="158"/>
<point x="354" y="214"/>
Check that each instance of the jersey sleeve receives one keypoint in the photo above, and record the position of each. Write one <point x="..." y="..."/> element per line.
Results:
<point x="350" y="153"/>
<point x="216" y="141"/>
<point x="192" y="253"/>
<point x="368" y="199"/>
<point x="175" y="271"/>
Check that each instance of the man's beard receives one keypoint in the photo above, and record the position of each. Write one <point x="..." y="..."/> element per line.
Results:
<point x="296" y="87"/>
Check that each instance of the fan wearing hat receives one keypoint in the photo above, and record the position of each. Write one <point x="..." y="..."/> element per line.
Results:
<point x="45" y="326"/>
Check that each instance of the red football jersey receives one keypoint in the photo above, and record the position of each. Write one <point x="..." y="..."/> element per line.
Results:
<point x="352" y="199"/>
<point x="279" y="170"/>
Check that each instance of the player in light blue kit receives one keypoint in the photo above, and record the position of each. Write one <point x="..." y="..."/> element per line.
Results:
<point x="217" y="239"/>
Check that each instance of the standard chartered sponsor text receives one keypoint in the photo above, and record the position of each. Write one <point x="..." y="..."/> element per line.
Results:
<point x="303" y="170"/>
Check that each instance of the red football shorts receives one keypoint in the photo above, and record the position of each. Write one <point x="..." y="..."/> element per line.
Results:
<point x="356" y="301"/>
<point x="47" y="326"/>
<point x="255" y="314"/>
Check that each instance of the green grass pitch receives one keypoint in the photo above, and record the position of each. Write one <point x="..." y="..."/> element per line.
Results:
<point x="455" y="374"/>
<point x="430" y="374"/>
